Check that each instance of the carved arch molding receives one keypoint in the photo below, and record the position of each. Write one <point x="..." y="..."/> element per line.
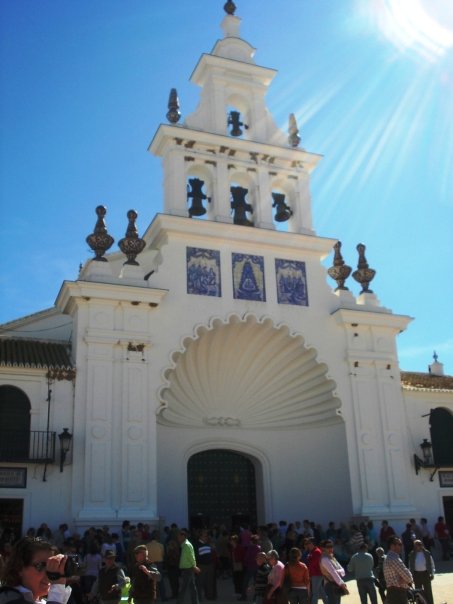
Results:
<point x="247" y="373"/>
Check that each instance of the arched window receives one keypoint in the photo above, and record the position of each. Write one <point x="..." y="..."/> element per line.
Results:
<point x="14" y="424"/>
<point x="441" y="425"/>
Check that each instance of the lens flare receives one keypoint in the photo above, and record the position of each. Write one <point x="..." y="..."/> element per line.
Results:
<point x="414" y="25"/>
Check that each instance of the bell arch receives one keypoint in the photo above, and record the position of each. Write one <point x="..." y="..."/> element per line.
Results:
<point x="283" y="199"/>
<point x="238" y="103"/>
<point x="200" y="190"/>
<point x="242" y="188"/>
<point x="245" y="372"/>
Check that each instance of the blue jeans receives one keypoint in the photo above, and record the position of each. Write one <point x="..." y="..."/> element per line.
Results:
<point x="317" y="589"/>
<point x="366" y="588"/>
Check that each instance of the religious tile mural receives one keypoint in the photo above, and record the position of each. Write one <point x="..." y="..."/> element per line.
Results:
<point x="248" y="277"/>
<point x="291" y="282"/>
<point x="203" y="272"/>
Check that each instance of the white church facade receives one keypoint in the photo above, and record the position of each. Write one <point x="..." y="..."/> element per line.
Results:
<point x="209" y="369"/>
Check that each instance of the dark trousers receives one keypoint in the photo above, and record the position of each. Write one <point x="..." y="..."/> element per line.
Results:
<point x="332" y="592"/>
<point x="187" y="585"/>
<point x="238" y="578"/>
<point x="173" y="579"/>
<point x="206" y="582"/>
<point x="422" y="581"/>
<point x="298" y="596"/>
<point x="247" y="578"/>
<point x="161" y="584"/>
<point x="395" y="595"/>
<point x="367" y="588"/>
<point x="445" y="545"/>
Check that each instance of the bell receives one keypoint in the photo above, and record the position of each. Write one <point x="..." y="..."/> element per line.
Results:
<point x="235" y="123"/>
<point x="283" y="212"/>
<point x="240" y="207"/>
<point x="197" y="195"/>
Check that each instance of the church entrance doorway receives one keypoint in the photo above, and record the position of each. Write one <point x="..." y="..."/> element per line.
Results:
<point x="221" y="489"/>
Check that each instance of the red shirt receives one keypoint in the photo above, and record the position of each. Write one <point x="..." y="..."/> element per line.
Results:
<point x="441" y="530"/>
<point x="313" y="562"/>
<point x="386" y="533"/>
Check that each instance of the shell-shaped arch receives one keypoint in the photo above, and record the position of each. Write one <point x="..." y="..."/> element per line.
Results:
<point x="247" y="373"/>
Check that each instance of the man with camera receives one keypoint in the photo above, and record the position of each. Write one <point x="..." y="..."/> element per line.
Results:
<point x="110" y="581"/>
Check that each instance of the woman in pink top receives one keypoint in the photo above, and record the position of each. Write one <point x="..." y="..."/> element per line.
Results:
<point x="276" y="576"/>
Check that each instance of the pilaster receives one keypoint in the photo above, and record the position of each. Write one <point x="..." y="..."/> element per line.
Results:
<point x="222" y="209"/>
<point x="175" y="193"/>
<point x="374" y="414"/>
<point x="116" y="476"/>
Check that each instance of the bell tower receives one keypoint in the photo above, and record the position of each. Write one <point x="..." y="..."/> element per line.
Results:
<point x="228" y="161"/>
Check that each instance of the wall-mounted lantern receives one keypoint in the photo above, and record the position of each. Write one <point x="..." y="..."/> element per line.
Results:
<point x="65" y="446"/>
<point x="426" y="461"/>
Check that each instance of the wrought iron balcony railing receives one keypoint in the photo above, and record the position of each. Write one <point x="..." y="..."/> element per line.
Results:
<point x="34" y="446"/>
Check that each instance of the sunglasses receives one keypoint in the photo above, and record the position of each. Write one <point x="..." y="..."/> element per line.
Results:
<point x="40" y="566"/>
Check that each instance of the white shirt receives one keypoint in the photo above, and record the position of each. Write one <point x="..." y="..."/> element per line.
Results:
<point x="420" y="563"/>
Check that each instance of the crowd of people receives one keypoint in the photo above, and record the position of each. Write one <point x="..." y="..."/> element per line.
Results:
<point x="295" y="563"/>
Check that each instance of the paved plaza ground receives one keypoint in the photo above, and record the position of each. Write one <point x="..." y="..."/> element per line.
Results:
<point x="442" y="588"/>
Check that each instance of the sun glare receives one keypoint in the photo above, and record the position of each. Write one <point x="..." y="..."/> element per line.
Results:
<point x="415" y="25"/>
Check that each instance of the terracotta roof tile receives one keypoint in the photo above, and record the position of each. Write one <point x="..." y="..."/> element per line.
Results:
<point x="426" y="381"/>
<point x="32" y="353"/>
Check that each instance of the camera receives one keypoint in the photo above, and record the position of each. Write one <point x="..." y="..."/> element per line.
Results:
<point x="71" y="567"/>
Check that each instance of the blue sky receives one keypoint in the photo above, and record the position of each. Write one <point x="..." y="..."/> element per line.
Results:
<point x="85" y="85"/>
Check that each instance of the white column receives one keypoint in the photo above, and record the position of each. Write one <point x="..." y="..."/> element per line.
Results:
<point x="175" y="189"/>
<point x="262" y="216"/>
<point x="221" y="187"/>
<point x="301" y="220"/>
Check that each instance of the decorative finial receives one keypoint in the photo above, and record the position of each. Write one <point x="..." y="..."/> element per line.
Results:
<point x="131" y="245"/>
<point x="293" y="131"/>
<point x="340" y="271"/>
<point x="100" y="241"/>
<point x="173" y="113"/>
<point x="229" y="7"/>
<point x="363" y="275"/>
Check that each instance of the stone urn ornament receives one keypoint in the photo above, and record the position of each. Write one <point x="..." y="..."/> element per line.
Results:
<point x="364" y="274"/>
<point x="340" y="271"/>
<point x="100" y="241"/>
<point x="132" y="244"/>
